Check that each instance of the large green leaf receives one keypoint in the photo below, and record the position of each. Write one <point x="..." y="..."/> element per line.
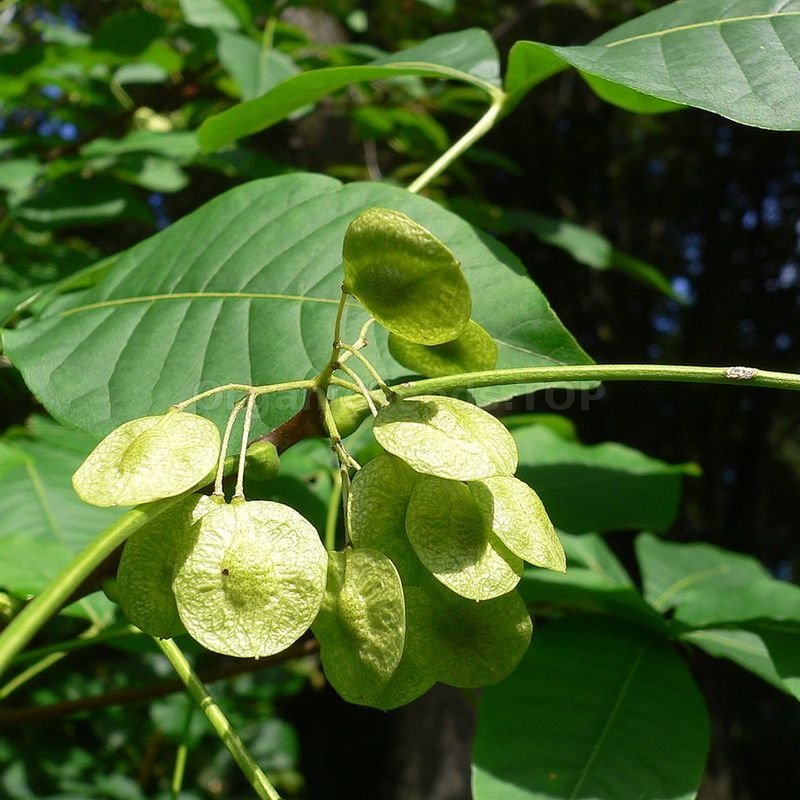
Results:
<point x="766" y="599"/>
<point x="245" y="289"/>
<point x="672" y="573"/>
<point x="43" y="524"/>
<point x="599" y="487"/>
<point x="253" y="68"/>
<point x="772" y="654"/>
<point x="595" y="582"/>
<point x="737" y="58"/>
<point x="468" y="56"/>
<point x="596" y="709"/>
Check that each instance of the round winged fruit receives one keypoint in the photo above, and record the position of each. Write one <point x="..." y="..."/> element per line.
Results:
<point x="149" y="458"/>
<point x="446" y="437"/>
<point x="361" y="624"/>
<point x="463" y="643"/>
<point x="376" y="512"/>
<point x="251" y="578"/>
<point x="405" y="277"/>
<point x="144" y="576"/>
<point x="446" y="529"/>
<point x="473" y="351"/>
<point x="515" y="514"/>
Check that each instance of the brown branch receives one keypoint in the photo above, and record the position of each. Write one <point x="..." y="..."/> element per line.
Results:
<point x="151" y="691"/>
<point x="305" y="424"/>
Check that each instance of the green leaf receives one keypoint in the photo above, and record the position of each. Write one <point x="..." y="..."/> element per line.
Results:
<point x="204" y="303"/>
<point x="376" y="512"/>
<point x="738" y="610"/>
<point x="361" y="624"/>
<point x="18" y="174"/>
<point x="473" y="350"/>
<point x="468" y="56"/>
<point x="515" y="515"/>
<point x="149" y="458"/>
<point x="598" y="487"/>
<point x="706" y="605"/>
<point x="140" y="73"/>
<point x="772" y="655"/>
<point x="553" y="594"/>
<point x="463" y="643"/>
<point x="591" y="551"/>
<point x="144" y="576"/>
<point x="73" y="201"/>
<point x="152" y="172"/>
<point x="254" y="69"/>
<point x="446" y="437"/>
<point x="215" y="14"/>
<point x="176" y="145"/>
<point x="738" y="59"/>
<point x="595" y="582"/>
<point x="251" y="579"/>
<point x="405" y="277"/>
<point x="637" y="727"/>
<point x="43" y="524"/>
<point x="448" y="533"/>
<point x="672" y="573"/>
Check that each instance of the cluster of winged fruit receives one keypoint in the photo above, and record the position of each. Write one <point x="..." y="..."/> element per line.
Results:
<point x="437" y="526"/>
<point x="441" y="510"/>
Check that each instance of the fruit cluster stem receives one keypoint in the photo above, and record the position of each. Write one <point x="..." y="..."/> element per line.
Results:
<point x="219" y="722"/>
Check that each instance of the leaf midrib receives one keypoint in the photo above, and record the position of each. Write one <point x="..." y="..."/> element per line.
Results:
<point x="152" y="298"/>
<point x="700" y="25"/>
<point x="610" y="720"/>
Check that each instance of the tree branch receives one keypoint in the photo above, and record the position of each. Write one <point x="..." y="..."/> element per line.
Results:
<point x="138" y="694"/>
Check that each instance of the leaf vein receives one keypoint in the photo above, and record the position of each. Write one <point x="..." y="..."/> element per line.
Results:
<point x="152" y="298"/>
<point x="699" y="25"/>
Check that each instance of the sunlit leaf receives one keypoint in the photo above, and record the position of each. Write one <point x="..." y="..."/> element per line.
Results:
<point x="468" y="56"/>
<point x="672" y="572"/>
<point x="599" y="487"/>
<point x="749" y="649"/>
<point x="597" y="709"/>
<point x="738" y="59"/>
<point x="258" y="265"/>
